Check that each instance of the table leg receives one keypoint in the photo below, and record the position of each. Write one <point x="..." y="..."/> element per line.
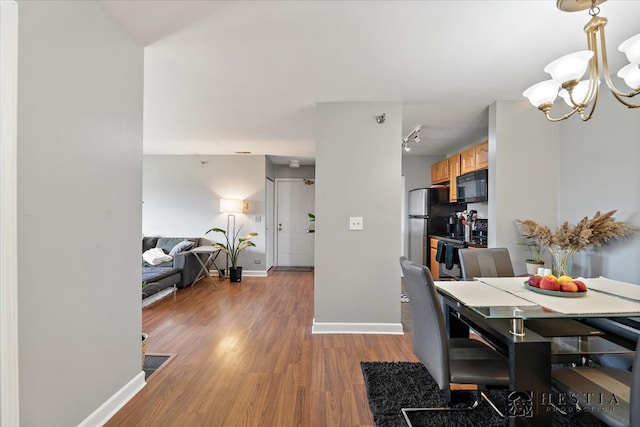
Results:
<point x="204" y="271"/>
<point x="530" y="373"/>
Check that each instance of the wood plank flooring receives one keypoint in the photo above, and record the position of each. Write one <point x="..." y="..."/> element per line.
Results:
<point x="245" y="356"/>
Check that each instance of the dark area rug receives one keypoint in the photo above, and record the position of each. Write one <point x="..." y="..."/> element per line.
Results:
<point x="392" y="386"/>
<point x="153" y="362"/>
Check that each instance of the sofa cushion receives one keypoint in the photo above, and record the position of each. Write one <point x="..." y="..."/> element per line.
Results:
<point x="167" y="243"/>
<point x="184" y="245"/>
<point x="148" y="243"/>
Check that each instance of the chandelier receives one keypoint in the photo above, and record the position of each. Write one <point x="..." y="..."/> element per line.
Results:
<point x="566" y="72"/>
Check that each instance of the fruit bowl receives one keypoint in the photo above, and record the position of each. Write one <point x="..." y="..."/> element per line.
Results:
<point x="554" y="293"/>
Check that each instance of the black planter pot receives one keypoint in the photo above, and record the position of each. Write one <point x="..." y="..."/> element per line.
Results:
<point x="235" y="274"/>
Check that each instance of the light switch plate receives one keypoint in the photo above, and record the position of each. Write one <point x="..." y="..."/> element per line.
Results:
<point x="356" y="223"/>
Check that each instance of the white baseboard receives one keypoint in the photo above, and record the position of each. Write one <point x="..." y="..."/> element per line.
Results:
<point x="108" y="409"/>
<point x="248" y="273"/>
<point x="356" y="328"/>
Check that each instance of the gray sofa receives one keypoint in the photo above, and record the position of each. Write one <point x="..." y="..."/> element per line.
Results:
<point x="179" y="272"/>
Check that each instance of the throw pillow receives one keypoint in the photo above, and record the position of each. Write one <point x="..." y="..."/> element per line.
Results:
<point x="185" y="245"/>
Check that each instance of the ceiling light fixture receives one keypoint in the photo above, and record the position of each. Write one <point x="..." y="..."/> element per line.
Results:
<point x="414" y="134"/>
<point x="567" y="71"/>
<point x="381" y="118"/>
<point x="294" y="164"/>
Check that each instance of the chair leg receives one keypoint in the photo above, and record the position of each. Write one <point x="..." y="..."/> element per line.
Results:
<point x="405" y="411"/>
<point x="490" y="402"/>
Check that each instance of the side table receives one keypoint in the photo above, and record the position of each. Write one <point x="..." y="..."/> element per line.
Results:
<point x="213" y="253"/>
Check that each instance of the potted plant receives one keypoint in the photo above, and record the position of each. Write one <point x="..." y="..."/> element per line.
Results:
<point x="312" y="223"/>
<point x="536" y="251"/>
<point x="234" y="245"/>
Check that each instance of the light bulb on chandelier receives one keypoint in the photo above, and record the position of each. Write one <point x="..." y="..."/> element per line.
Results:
<point x="567" y="71"/>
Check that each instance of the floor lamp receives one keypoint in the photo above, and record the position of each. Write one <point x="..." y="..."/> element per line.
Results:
<point x="231" y="207"/>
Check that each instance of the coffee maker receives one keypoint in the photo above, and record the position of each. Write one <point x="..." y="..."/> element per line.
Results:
<point x="454" y="226"/>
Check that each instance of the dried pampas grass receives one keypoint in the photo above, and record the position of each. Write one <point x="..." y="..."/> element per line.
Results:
<point x="593" y="231"/>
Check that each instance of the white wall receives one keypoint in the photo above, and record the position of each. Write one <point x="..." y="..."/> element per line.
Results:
<point x="182" y="195"/>
<point x="358" y="171"/>
<point x="523" y="174"/>
<point x="79" y="190"/>
<point x="599" y="172"/>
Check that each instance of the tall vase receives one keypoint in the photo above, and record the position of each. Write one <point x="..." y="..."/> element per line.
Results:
<point x="561" y="260"/>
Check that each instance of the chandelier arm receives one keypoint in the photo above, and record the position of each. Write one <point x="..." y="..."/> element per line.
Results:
<point x="593" y="107"/>
<point x="607" y="77"/>
<point x="559" y="119"/>
<point x="624" y="102"/>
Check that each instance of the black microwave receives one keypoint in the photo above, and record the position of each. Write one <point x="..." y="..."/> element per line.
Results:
<point x="473" y="187"/>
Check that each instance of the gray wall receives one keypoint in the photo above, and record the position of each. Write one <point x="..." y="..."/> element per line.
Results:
<point x="284" y="171"/>
<point x="599" y="172"/>
<point x="523" y="174"/>
<point x="556" y="172"/>
<point x="358" y="171"/>
<point x="182" y="198"/>
<point x="79" y="191"/>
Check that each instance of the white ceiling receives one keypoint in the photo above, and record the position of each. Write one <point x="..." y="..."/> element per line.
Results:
<point x="229" y="76"/>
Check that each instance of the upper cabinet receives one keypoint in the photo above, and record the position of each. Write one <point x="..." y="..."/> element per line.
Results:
<point x="468" y="160"/>
<point x="482" y="155"/>
<point x="454" y="172"/>
<point x="448" y="170"/>
<point x="440" y="172"/>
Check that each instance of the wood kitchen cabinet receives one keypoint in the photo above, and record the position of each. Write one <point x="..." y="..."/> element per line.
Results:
<point x="482" y="155"/>
<point x="468" y="160"/>
<point x="454" y="172"/>
<point x="435" y="266"/>
<point x="440" y="172"/>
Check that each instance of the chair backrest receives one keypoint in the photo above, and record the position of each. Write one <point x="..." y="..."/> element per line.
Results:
<point x="430" y="341"/>
<point x="635" y="389"/>
<point x="485" y="262"/>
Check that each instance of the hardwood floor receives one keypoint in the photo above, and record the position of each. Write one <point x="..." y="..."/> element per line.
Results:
<point x="245" y="356"/>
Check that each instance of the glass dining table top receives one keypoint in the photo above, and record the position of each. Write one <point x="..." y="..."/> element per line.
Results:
<point x="511" y="298"/>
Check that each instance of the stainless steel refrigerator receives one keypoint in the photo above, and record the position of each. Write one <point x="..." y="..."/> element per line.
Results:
<point x="429" y="210"/>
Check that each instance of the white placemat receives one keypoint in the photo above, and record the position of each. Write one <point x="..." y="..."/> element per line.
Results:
<point x="479" y="294"/>
<point x="627" y="290"/>
<point x="592" y="303"/>
<point x="509" y="284"/>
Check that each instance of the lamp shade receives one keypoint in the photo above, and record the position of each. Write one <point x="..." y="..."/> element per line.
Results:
<point x="542" y="93"/>
<point x="579" y="93"/>
<point x="630" y="73"/>
<point x="569" y="67"/>
<point x="631" y="48"/>
<point x="231" y="205"/>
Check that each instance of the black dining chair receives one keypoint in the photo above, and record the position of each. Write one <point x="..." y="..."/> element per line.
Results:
<point x="485" y="262"/>
<point x="612" y="395"/>
<point x="448" y="360"/>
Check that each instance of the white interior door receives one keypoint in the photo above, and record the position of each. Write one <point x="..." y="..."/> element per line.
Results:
<point x="295" y="199"/>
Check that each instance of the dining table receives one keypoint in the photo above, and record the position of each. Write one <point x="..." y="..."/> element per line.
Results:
<point x="535" y="329"/>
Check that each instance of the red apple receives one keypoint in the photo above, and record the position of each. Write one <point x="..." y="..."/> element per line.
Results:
<point x="535" y="281"/>
<point x="568" y="287"/>
<point x="549" y="283"/>
<point x="581" y="286"/>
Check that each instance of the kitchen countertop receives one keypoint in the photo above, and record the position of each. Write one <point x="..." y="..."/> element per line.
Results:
<point x="476" y="243"/>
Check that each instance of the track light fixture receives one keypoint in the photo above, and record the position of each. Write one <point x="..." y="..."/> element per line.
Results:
<point x="567" y="71"/>
<point x="414" y="136"/>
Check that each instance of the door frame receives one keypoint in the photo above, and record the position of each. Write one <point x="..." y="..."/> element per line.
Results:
<point x="9" y="356"/>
